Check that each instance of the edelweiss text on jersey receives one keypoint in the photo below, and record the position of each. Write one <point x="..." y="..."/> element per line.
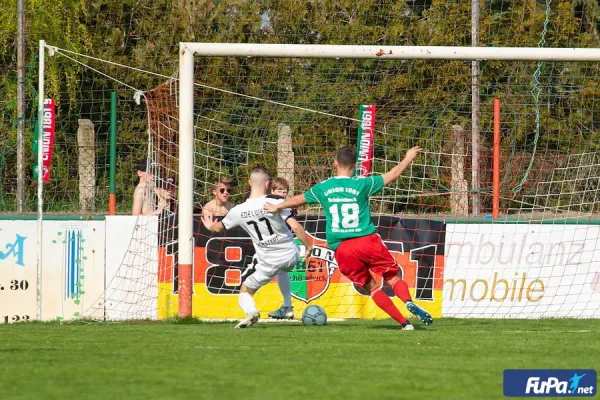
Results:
<point x="252" y="213"/>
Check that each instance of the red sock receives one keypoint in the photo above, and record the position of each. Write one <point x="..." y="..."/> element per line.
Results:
<point x="385" y="303"/>
<point x="400" y="289"/>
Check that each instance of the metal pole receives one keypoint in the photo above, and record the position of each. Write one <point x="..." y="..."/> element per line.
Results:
<point x="21" y="106"/>
<point x="186" y="180"/>
<point x="476" y="200"/>
<point x="40" y="180"/>
<point x="112" y="197"/>
<point x="496" y="162"/>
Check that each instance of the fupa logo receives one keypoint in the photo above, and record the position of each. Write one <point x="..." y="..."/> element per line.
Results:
<point x="550" y="382"/>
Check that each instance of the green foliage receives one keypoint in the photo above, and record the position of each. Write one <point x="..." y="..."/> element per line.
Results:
<point x="146" y="35"/>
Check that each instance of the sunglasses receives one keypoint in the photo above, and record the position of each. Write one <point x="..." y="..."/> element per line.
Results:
<point x="223" y="190"/>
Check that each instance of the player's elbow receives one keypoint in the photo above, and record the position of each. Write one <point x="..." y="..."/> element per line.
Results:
<point x="388" y="178"/>
<point x="391" y="176"/>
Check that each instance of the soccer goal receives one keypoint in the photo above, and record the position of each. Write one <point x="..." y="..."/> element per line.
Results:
<point x="496" y="218"/>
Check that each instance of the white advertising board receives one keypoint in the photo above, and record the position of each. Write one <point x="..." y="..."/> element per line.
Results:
<point x="108" y="269"/>
<point x="522" y="271"/>
<point x="72" y="274"/>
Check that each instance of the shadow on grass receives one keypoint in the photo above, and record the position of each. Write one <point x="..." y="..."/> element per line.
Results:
<point x="392" y="327"/>
<point x="91" y="321"/>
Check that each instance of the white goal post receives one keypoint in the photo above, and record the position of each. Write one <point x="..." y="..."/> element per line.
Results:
<point x="188" y="51"/>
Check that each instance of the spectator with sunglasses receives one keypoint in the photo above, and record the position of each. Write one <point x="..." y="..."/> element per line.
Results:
<point x="220" y="205"/>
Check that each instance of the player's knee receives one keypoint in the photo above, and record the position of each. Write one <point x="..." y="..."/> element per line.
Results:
<point x="370" y="285"/>
<point x="246" y="289"/>
<point x="391" y="280"/>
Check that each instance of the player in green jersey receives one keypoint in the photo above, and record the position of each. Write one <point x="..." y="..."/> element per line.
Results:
<point x="351" y="234"/>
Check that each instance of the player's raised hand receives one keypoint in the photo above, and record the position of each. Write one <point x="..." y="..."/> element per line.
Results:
<point x="412" y="153"/>
<point x="271" y="208"/>
<point x="207" y="220"/>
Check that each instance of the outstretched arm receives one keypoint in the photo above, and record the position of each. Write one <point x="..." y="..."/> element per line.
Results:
<point x="294" y="202"/>
<point x="300" y="234"/>
<point x="395" y="172"/>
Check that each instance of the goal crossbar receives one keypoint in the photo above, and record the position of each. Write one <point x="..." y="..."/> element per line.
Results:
<point x="391" y="52"/>
<point x="187" y="52"/>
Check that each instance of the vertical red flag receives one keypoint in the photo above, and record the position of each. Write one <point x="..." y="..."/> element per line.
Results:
<point x="366" y="140"/>
<point x="48" y="128"/>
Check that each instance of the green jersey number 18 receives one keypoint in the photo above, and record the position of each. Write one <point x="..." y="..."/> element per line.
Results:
<point x="346" y="204"/>
<point x="349" y="215"/>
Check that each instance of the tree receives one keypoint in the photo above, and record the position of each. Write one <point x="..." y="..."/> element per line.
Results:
<point x="418" y="100"/>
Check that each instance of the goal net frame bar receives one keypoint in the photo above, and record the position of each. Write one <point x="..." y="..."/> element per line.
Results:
<point x="188" y="51"/>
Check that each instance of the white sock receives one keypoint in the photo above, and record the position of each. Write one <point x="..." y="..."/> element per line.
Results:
<point x="283" y="280"/>
<point x="247" y="303"/>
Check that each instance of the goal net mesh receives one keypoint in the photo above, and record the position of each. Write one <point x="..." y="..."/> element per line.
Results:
<point x="290" y="115"/>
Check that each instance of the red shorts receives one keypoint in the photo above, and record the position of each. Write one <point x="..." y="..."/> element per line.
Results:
<point x="356" y="257"/>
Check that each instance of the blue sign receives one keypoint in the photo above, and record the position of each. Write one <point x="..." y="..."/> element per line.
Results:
<point x="73" y="263"/>
<point x="15" y="249"/>
<point x="550" y="382"/>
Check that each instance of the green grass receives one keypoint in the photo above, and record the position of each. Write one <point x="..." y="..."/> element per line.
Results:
<point x="452" y="359"/>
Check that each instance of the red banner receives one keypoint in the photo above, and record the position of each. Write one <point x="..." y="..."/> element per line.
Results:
<point x="366" y="140"/>
<point x="48" y="127"/>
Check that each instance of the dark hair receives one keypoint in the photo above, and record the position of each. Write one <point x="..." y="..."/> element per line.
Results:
<point x="145" y="164"/>
<point x="346" y="157"/>
<point x="260" y="168"/>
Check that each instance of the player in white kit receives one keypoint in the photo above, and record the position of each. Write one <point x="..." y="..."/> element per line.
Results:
<point x="273" y="242"/>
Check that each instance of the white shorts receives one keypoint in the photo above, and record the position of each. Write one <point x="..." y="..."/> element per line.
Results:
<point x="265" y="273"/>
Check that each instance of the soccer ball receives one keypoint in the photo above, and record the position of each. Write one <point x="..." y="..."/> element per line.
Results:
<point x="314" y="315"/>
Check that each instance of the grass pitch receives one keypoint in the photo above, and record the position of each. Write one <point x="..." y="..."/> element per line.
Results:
<point x="452" y="359"/>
